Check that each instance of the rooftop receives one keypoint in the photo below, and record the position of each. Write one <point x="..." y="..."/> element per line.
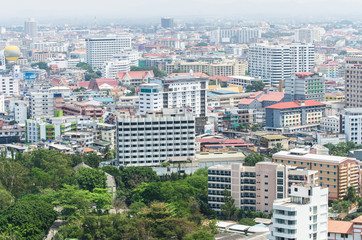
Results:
<point x="296" y="104"/>
<point x="340" y="227"/>
<point x="313" y="157"/>
<point x="273" y="137"/>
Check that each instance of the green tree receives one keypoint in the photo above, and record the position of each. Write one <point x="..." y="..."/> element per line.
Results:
<point x="41" y="65"/>
<point x="255" y="86"/>
<point x="253" y="158"/>
<point x="228" y="209"/>
<point x="89" y="179"/>
<point x="351" y="194"/>
<point x="255" y="127"/>
<point x="13" y="177"/>
<point x="247" y="221"/>
<point x="5" y="199"/>
<point x="92" y="160"/>
<point x="200" y="235"/>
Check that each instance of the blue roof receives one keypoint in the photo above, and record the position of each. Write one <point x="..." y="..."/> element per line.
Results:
<point x="222" y="92"/>
<point x="105" y="100"/>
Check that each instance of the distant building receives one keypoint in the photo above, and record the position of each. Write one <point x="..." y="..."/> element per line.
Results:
<point x="352" y="124"/>
<point x="353" y="81"/>
<point x="9" y="85"/>
<point x="304" y="215"/>
<point x="331" y="124"/>
<point x="235" y="35"/>
<point x="304" y="86"/>
<point x="167" y="22"/>
<point x="31" y="28"/>
<point x="100" y="50"/>
<point x="41" y="104"/>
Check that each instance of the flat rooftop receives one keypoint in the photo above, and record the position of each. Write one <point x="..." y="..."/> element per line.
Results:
<point x="312" y="157"/>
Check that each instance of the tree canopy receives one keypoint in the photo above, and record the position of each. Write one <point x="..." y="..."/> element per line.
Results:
<point x="253" y="158"/>
<point x="255" y="86"/>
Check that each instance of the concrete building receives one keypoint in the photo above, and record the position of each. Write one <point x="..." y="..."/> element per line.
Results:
<point x="247" y="80"/>
<point x="343" y="230"/>
<point x="41" y="104"/>
<point x="273" y="141"/>
<point x="112" y="67"/>
<point x="334" y="172"/>
<point x="100" y="50"/>
<point x="331" y="124"/>
<point x="31" y="28"/>
<point x="235" y="35"/>
<point x="150" y="98"/>
<point x="167" y="22"/>
<point x="334" y="138"/>
<point x="353" y="81"/>
<point x="253" y="188"/>
<point x="352" y="124"/>
<point x="304" y="215"/>
<point x="9" y="86"/>
<point x="19" y="110"/>
<point x="297" y="113"/>
<point x="151" y="140"/>
<point x="2" y="61"/>
<point x="304" y="86"/>
<point x="277" y="62"/>
<point x="329" y="69"/>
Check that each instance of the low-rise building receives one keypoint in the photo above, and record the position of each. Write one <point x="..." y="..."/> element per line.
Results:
<point x="274" y="141"/>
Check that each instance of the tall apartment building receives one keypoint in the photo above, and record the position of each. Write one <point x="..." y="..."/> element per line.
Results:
<point x="305" y="86"/>
<point x="353" y="81"/>
<point x="41" y="104"/>
<point x="151" y="140"/>
<point x="304" y="215"/>
<point x="295" y="114"/>
<point x="334" y="172"/>
<point x="9" y="85"/>
<point x="186" y="92"/>
<point x="235" y="35"/>
<point x="31" y="28"/>
<point x="278" y="62"/>
<point x="150" y="98"/>
<point x="100" y="50"/>
<point x="253" y="188"/>
<point x="352" y="124"/>
<point x="112" y="67"/>
<point x="167" y="22"/>
<point x="40" y="130"/>
<point x="329" y="69"/>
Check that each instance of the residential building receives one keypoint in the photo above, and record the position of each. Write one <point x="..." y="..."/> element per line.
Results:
<point x="253" y="188"/>
<point x="335" y="96"/>
<point x="19" y="110"/>
<point x="304" y="86"/>
<point x="334" y="172"/>
<point x="235" y="35"/>
<point x="31" y="28"/>
<point x="333" y="138"/>
<point x="167" y="22"/>
<point x="151" y="140"/>
<point x="135" y="78"/>
<point x="331" y="124"/>
<point x="304" y="215"/>
<point x="9" y="86"/>
<point x="41" y="104"/>
<point x="329" y="69"/>
<point x="277" y="62"/>
<point x="343" y="230"/>
<point x="2" y="61"/>
<point x="352" y="124"/>
<point x="294" y="114"/>
<point x="112" y="67"/>
<point x="353" y="81"/>
<point x="150" y="98"/>
<point x="247" y="80"/>
<point x="100" y="50"/>
<point x="274" y="141"/>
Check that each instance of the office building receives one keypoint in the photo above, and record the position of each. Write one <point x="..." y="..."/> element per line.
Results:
<point x="305" y="86"/>
<point x="100" y="50"/>
<point x="235" y="35"/>
<point x="31" y="28"/>
<point x="278" y="62"/>
<point x="353" y="81"/>
<point x="352" y="124"/>
<point x="151" y="140"/>
<point x="294" y="114"/>
<point x="304" y="215"/>
<point x="41" y="104"/>
<point x="334" y="172"/>
<point x="253" y="188"/>
<point x="151" y="98"/>
<point x="167" y="22"/>
<point x="9" y="86"/>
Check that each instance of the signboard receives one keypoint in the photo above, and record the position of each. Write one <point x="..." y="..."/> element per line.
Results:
<point x="30" y="76"/>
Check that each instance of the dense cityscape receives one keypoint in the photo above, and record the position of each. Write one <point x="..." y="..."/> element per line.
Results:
<point x="215" y="128"/>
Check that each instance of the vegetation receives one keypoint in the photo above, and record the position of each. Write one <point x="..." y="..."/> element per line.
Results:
<point x="341" y="149"/>
<point x="255" y="86"/>
<point x="41" y="65"/>
<point x="156" y="71"/>
<point x="90" y="74"/>
<point x="228" y="209"/>
<point x="253" y="158"/>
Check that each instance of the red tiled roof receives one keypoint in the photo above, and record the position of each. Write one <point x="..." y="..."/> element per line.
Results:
<point x="246" y="101"/>
<point x="135" y="74"/>
<point x="255" y="94"/>
<point x="303" y="74"/>
<point x="235" y="141"/>
<point x="83" y="84"/>
<point x="357" y="220"/>
<point x="272" y="96"/>
<point x="340" y="227"/>
<point x="109" y="81"/>
<point x="295" y="104"/>
<point x="219" y="77"/>
<point x="210" y="108"/>
<point x="209" y="140"/>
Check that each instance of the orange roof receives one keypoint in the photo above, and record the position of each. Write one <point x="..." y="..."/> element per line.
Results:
<point x="357" y="220"/>
<point x="88" y="150"/>
<point x="272" y="96"/>
<point x="303" y="74"/>
<point x="340" y="227"/>
<point x="246" y="101"/>
<point x="296" y="104"/>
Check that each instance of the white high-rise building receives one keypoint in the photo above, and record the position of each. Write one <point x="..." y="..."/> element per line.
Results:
<point x="9" y="86"/>
<point x="41" y="104"/>
<point x="114" y="66"/>
<point x="278" y="62"/>
<point x="235" y="35"/>
<point x="151" y="98"/>
<point x="304" y="215"/>
<point x="352" y="124"/>
<point x="2" y="61"/>
<point x="31" y="28"/>
<point x="100" y="50"/>
<point x="151" y="140"/>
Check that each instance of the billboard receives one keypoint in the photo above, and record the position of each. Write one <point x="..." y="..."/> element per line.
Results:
<point x="209" y="129"/>
<point x="30" y="76"/>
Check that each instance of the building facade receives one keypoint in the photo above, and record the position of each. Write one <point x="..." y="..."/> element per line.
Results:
<point x="150" y="98"/>
<point x="41" y="104"/>
<point x="352" y="124"/>
<point x="353" y="81"/>
<point x="9" y="86"/>
<point x="305" y="86"/>
<point x="31" y="28"/>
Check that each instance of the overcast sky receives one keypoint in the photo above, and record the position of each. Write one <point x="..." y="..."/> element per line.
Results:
<point x="41" y="9"/>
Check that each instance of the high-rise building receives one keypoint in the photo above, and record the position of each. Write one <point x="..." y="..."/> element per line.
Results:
<point x="41" y="104"/>
<point x="235" y="35"/>
<point x="352" y="124"/>
<point x="9" y="85"/>
<point x="304" y="215"/>
<point x="167" y="22"/>
<point x="278" y="62"/>
<point x="334" y="172"/>
<point x="353" y="81"/>
<point x="304" y="86"/>
<point x="31" y="28"/>
<point x="254" y="188"/>
<point x="2" y="61"/>
<point x="151" y="140"/>
<point x="151" y="98"/>
<point x="100" y="50"/>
